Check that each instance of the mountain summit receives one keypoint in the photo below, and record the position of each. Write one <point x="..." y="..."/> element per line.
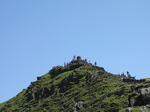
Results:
<point x="80" y="86"/>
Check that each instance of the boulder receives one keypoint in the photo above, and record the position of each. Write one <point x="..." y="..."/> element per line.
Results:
<point x="128" y="110"/>
<point x="132" y="101"/>
<point x="94" y="76"/>
<point x="145" y="91"/>
<point x="77" y="106"/>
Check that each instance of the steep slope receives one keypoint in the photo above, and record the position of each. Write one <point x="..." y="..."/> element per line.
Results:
<point x="139" y="99"/>
<point x="71" y="89"/>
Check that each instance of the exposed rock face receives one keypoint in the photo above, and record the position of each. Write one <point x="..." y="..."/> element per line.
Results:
<point x="39" y="94"/>
<point x="145" y="91"/>
<point x="94" y="76"/>
<point x="29" y="97"/>
<point x="137" y="109"/>
<point x="128" y="110"/>
<point x="132" y="101"/>
<point x="31" y="94"/>
<point x="131" y="81"/>
<point x="140" y="95"/>
<point x="39" y="78"/>
<point x="87" y="89"/>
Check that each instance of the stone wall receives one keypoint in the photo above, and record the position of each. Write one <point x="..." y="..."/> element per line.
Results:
<point x="131" y="81"/>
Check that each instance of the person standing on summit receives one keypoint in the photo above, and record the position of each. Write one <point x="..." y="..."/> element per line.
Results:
<point x="95" y="64"/>
<point x="128" y="74"/>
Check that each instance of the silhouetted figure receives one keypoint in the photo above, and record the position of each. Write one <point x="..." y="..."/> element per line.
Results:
<point x="123" y="75"/>
<point x="95" y="64"/>
<point x="128" y="74"/>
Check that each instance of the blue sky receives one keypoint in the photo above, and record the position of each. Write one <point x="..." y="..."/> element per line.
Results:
<point x="36" y="35"/>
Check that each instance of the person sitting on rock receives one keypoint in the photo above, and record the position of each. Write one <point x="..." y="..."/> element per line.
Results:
<point x="123" y="75"/>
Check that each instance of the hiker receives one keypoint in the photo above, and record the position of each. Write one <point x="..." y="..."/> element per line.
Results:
<point x="95" y="64"/>
<point x="122" y="75"/>
<point x="128" y="74"/>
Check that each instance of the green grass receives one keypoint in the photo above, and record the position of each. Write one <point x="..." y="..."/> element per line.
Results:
<point x="68" y="86"/>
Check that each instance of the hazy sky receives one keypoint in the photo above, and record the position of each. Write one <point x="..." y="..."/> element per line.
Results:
<point x="36" y="35"/>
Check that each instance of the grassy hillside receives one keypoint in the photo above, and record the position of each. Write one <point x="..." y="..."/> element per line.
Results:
<point x="70" y="89"/>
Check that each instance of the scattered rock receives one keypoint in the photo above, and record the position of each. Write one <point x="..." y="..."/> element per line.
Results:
<point x="128" y="110"/>
<point x="132" y="101"/>
<point x="145" y="91"/>
<point x="94" y="76"/>
<point x="77" y="106"/>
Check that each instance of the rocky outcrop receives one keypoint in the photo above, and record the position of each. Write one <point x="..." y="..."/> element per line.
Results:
<point x="140" y="95"/>
<point x="77" y="106"/>
<point x="137" y="109"/>
<point x="127" y="110"/>
<point x="131" y="81"/>
<point x="39" y="94"/>
<point x="87" y="88"/>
